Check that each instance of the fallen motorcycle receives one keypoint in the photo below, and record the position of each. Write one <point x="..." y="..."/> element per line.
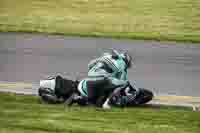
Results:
<point x="57" y="89"/>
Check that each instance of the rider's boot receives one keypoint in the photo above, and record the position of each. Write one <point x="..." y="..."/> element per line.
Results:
<point x="106" y="104"/>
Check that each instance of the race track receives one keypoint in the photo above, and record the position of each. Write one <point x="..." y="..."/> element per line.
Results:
<point x="166" y="68"/>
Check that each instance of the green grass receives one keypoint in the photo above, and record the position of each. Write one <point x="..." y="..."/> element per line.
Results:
<point x="177" y="20"/>
<point x="25" y="114"/>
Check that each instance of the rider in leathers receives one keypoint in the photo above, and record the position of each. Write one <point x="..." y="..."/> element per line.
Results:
<point x="107" y="73"/>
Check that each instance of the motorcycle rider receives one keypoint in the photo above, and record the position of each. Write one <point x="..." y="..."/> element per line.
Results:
<point x="107" y="75"/>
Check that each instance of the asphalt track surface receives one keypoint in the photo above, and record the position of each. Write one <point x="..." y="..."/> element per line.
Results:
<point x="165" y="68"/>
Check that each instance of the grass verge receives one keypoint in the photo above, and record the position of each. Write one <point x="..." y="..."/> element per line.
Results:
<point x="174" y="20"/>
<point x="22" y="114"/>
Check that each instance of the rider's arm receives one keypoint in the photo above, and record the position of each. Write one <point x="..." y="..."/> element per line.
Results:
<point x="118" y="81"/>
<point x="127" y="90"/>
<point x="93" y="62"/>
<point x="97" y="71"/>
<point x="100" y="59"/>
<point x="124" y="75"/>
<point x="122" y="78"/>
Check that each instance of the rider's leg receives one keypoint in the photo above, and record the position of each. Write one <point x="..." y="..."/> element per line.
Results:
<point x="89" y="91"/>
<point x="106" y="104"/>
<point x="96" y="89"/>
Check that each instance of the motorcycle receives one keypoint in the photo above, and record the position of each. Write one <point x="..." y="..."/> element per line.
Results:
<point x="55" y="90"/>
